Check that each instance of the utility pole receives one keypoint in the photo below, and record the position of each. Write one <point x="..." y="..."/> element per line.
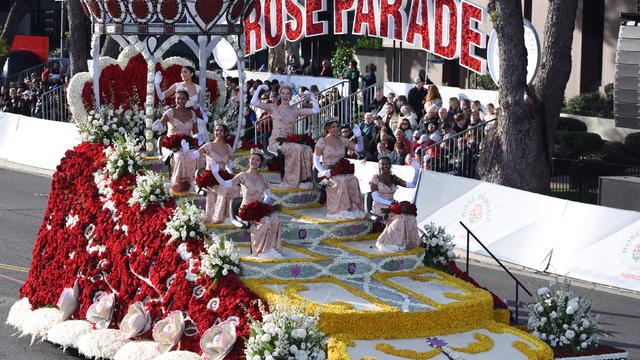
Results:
<point x="61" y="27"/>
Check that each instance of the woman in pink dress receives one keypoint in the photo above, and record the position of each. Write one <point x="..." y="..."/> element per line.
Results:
<point x="297" y="157"/>
<point x="343" y="191"/>
<point x="265" y="234"/>
<point x="218" y="197"/>
<point x="181" y="121"/>
<point x="401" y="231"/>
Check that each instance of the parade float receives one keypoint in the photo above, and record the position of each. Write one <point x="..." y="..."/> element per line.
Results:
<point x="123" y="268"/>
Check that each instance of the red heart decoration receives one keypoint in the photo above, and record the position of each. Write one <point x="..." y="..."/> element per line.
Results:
<point x="208" y="9"/>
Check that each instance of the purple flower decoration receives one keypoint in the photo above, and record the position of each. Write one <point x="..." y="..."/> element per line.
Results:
<point x="304" y="198"/>
<point x="302" y="233"/>
<point x="353" y="229"/>
<point x="246" y="236"/>
<point x="351" y="268"/>
<point x="296" y="270"/>
<point x="436" y="343"/>
<point x="158" y="167"/>
<point x="400" y="264"/>
<point x="202" y="203"/>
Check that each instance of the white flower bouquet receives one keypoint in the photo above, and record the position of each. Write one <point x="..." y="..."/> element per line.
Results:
<point x="149" y="189"/>
<point x="123" y="158"/>
<point x="563" y="321"/>
<point x="438" y="244"/>
<point x="105" y="124"/>
<point x="285" y="333"/>
<point x="221" y="259"/>
<point x="186" y="222"/>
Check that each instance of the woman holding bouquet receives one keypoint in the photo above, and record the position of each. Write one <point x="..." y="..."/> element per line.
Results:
<point x="265" y="230"/>
<point x="218" y="196"/>
<point x="297" y="157"/>
<point x="401" y="231"/>
<point x="181" y="121"/>
<point x="343" y="190"/>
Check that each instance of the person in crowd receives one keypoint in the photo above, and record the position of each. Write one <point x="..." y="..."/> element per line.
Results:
<point x="401" y="151"/>
<point x="408" y="131"/>
<point x="388" y="140"/>
<point x="345" y="132"/>
<point x="466" y="157"/>
<point x="416" y="96"/>
<point x="432" y="132"/>
<point x="299" y="96"/>
<point x="491" y="115"/>
<point x="427" y="162"/>
<point x="475" y="118"/>
<point x="401" y="101"/>
<point x="443" y="115"/>
<point x="368" y="79"/>
<point x="433" y="98"/>
<point x="343" y="190"/>
<point x="447" y="131"/>
<point x="382" y="151"/>
<point x="292" y="64"/>
<point x="465" y="106"/>
<point x="314" y="89"/>
<point x="180" y="121"/>
<point x="378" y="102"/>
<point x="401" y="231"/>
<point x="416" y="145"/>
<point x="476" y="105"/>
<point x="265" y="233"/>
<point x="297" y="156"/>
<point x="250" y="119"/>
<point x="326" y="70"/>
<point x="391" y="98"/>
<point x="312" y="69"/>
<point x="460" y="123"/>
<point x="352" y="74"/>
<point x="406" y="112"/>
<point x="454" y="108"/>
<point x="390" y="118"/>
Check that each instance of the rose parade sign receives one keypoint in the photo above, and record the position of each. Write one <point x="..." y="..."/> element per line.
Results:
<point x="447" y="28"/>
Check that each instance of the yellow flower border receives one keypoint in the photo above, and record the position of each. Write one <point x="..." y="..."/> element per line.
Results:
<point x="542" y="351"/>
<point x="502" y="316"/>
<point x="186" y="195"/>
<point x="222" y="226"/>
<point x="150" y="158"/>
<point x="313" y="256"/>
<point x="290" y="211"/>
<point x="337" y="242"/>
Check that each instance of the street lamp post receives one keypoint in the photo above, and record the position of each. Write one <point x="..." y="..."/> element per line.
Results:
<point x="61" y="27"/>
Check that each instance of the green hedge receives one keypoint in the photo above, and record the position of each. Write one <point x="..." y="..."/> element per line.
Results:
<point x="591" y="104"/>
<point x="632" y="144"/>
<point x="571" y="124"/>
<point x="574" y="144"/>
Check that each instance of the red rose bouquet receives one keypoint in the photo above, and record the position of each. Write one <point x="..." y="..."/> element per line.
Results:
<point x="206" y="179"/>
<point x="304" y="139"/>
<point x="342" y="167"/>
<point x="247" y="145"/>
<point x="172" y="142"/>
<point x="403" y="207"/>
<point x="254" y="211"/>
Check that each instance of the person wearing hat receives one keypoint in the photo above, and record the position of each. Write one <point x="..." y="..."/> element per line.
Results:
<point x="416" y="96"/>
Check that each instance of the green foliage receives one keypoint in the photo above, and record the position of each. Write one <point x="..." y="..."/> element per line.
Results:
<point x="484" y="82"/>
<point x="591" y="104"/>
<point x="632" y="144"/>
<point x="615" y="152"/>
<point x="571" y="124"/>
<point x="4" y="47"/>
<point x="340" y="57"/>
<point x="369" y="43"/>
<point x="574" y="144"/>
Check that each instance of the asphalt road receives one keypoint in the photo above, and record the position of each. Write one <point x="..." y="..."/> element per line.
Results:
<point x="23" y="198"/>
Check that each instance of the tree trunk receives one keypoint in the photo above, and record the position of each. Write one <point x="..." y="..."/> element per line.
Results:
<point x="277" y="57"/>
<point x="18" y="10"/>
<point x="517" y="153"/>
<point x="110" y="48"/>
<point x="78" y="51"/>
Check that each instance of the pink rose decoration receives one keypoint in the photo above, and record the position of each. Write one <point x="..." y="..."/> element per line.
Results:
<point x="135" y="322"/>
<point x="68" y="301"/>
<point x="100" y="311"/>
<point x="218" y="340"/>
<point x="168" y="331"/>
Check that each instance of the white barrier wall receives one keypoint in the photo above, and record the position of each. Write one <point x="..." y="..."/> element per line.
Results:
<point x="35" y="142"/>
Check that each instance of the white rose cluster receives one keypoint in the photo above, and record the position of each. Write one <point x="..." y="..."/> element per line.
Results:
<point x="221" y="259"/>
<point x="286" y="333"/>
<point x="438" y="244"/>
<point x="123" y="158"/>
<point x="149" y="189"/>
<point x="563" y="321"/>
<point x="105" y="124"/>
<point x="186" y="222"/>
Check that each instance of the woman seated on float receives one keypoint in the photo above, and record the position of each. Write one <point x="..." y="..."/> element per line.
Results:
<point x="181" y="121"/>
<point x="265" y="233"/>
<point x="297" y="157"/>
<point x="343" y="190"/>
<point x="401" y="231"/>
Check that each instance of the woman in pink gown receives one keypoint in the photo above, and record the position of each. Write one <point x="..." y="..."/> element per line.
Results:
<point x="343" y="191"/>
<point x="218" y="197"/>
<point x="297" y="157"/>
<point x="401" y="231"/>
<point x="265" y="234"/>
<point x="181" y="121"/>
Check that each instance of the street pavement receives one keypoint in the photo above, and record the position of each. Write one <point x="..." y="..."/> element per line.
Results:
<point x="23" y="199"/>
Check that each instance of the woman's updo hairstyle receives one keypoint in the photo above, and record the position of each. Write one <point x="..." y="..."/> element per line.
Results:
<point x="193" y="72"/>
<point x="328" y="124"/>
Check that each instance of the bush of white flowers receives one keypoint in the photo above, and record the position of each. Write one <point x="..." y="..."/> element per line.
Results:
<point x="149" y="188"/>
<point x="123" y="158"/>
<point x="186" y="222"/>
<point x="563" y="321"/>
<point x="105" y="124"/>
<point x="221" y="259"/>
<point x="438" y="244"/>
<point x="285" y="333"/>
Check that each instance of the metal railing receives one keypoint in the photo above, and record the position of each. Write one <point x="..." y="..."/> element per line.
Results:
<point x="518" y="283"/>
<point x="459" y="153"/>
<point x="24" y="74"/>
<point x="54" y="105"/>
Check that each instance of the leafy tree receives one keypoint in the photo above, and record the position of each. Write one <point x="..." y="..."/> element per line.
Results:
<point x="341" y="56"/>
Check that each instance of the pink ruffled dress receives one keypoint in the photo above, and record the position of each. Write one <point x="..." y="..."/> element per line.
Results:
<point x="183" y="164"/>
<point x="265" y="234"/>
<point x="401" y="230"/>
<point x="343" y="191"/>
<point x="218" y="197"/>
<point x="297" y="157"/>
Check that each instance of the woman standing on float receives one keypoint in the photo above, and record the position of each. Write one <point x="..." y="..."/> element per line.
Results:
<point x="297" y="157"/>
<point x="265" y="233"/>
<point x="218" y="197"/>
<point x="343" y="190"/>
<point x="401" y="231"/>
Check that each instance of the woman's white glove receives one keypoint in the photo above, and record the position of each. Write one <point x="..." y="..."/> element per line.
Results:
<point x="214" y="171"/>
<point x="318" y="165"/>
<point x="267" y="196"/>
<point x="204" y="114"/>
<point x="415" y="164"/>
<point x="357" y="132"/>
<point x="416" y="167"/>
<point x="314" y="101"/>
<point x="157" y="125"/>
<point x="184" y="145"/>
<point x="157" y="79"/>
<point x="255" y="100"/>
<point x="377" y="198"/>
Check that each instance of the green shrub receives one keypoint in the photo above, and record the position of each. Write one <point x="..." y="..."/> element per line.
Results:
<point x="574" y="144"/>
<point x="615" y="152"/>
<point x="591" y="104"/>
<point x="340" y="57"/>
<point x="571" y="124"/>
<point x="632" y="144"/>
<point x="369" y="43"/>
